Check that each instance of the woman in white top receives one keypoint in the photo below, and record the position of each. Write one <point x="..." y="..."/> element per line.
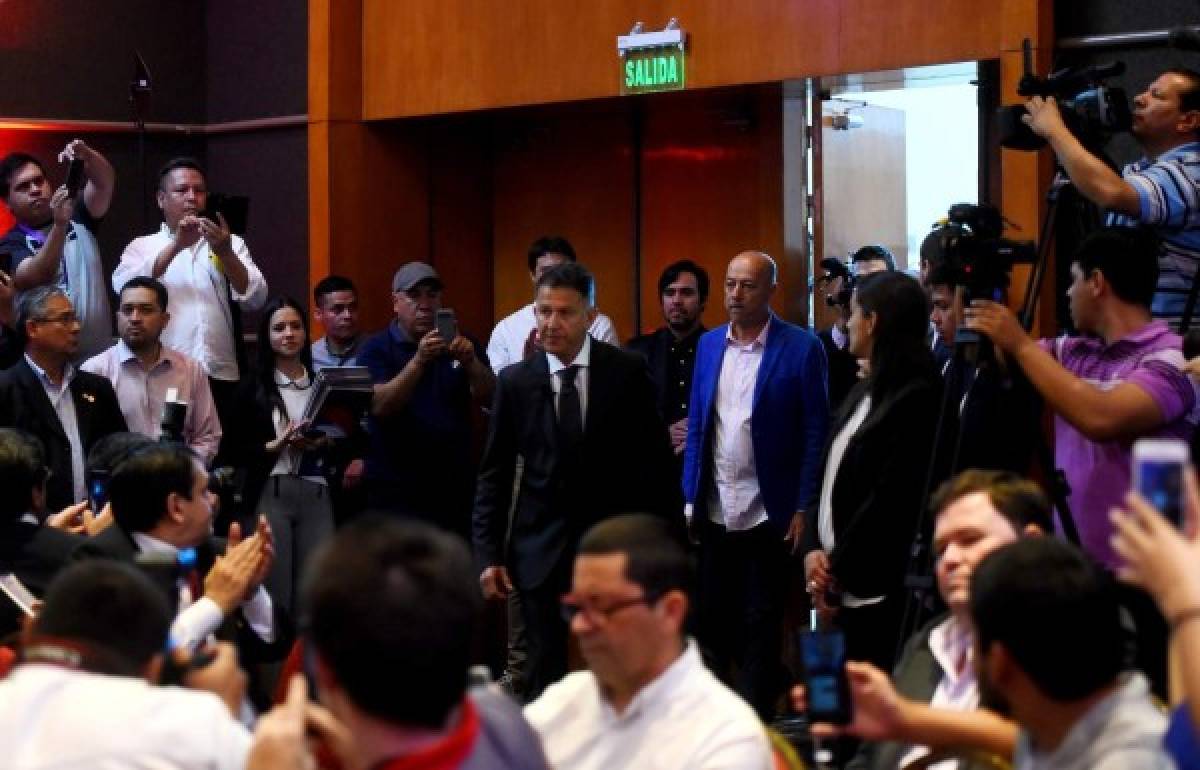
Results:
<point x="283" y="454"/>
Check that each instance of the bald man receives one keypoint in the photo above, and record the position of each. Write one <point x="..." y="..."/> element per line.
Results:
<point x="756" y="432"/>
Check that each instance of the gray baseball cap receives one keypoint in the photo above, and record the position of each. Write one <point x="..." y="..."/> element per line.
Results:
<point x="409" y="275"/>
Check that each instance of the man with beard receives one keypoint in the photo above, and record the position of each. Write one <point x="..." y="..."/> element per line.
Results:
<point x="670" y="351"/>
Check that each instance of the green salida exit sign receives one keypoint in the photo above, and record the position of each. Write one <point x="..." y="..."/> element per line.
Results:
<point x="653" y="69"/>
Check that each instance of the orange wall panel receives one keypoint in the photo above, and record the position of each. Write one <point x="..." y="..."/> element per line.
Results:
<point x="434" y="56"/>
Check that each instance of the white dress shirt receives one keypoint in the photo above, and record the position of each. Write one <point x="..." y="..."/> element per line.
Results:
<point x="951" y="644"/>
<point x="201" y="323"/>
<point x="141" y="393"/>
<point x="64" y="406"/>
<point x="507" y="344"/>
<point x="837" y="450"/>
<point x="735" y="501"/>
<point x="582" y="376"/>
<point x="199" y="618"/>
<point x="55" y="718"/>
<point x="683" y="720"/>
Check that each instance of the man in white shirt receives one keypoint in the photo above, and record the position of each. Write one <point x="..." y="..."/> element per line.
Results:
<point x="162" y="505"/>
<point x="146" y="374"/>
<point x="206" y="269"/>
<point x="646" y="699"/>
<point x="515" y="337"/>
<point x="84" y="692"/>
<point x="975" y="513"/>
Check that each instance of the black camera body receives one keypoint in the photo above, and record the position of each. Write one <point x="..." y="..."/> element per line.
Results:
<point x="834" y="269"/>
<point x="1091" y="110"/>
<point x="970" y="247"/>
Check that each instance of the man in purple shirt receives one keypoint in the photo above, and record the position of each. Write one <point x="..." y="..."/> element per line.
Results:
<point x="145" y="373"/>
<point x="1121" y="382"/>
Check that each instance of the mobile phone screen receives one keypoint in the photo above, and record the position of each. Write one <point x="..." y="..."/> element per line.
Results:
<point x="75" y="178"/>
<point x="824" y="657"/>
<point x="1161" y="483"/>
<point x="447" y="325"/>
<point x="98" y="490"/>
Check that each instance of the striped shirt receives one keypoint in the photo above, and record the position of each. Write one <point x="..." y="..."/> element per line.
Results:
<point x="1169" y="194"/>
<point x="1099" y="472"/>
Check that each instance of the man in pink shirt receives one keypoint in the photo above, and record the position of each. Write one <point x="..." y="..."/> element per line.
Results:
<point x="146" y="374"/>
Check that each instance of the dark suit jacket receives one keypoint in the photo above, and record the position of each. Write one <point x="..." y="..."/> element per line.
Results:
<point x="879" y="485"/>
<point x="916" y="677"/>
<point x="624" y="461"/>
<point x="24" y="405"/>
<point x="843" y="370"/>
<point x="115" y="543"/>
<point x="788" y="424"/>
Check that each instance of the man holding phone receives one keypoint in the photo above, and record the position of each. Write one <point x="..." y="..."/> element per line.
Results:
<point x="427" y="375"/>
<point x="53" y="240"/>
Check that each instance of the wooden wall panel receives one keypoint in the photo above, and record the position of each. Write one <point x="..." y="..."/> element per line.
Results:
<point x="460" y="222"/>
<point x="433" y="56"/>
<point x="704" y="197"/>
<point x="570" y="173"/>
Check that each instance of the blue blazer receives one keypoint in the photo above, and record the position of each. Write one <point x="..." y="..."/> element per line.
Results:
<point x="789" y="420"/>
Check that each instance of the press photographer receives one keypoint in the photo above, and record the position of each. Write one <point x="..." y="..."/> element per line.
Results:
<point x="1159" y="190"/>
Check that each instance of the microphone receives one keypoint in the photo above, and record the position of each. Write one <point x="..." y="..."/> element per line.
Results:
<point x="1184" y="38"/>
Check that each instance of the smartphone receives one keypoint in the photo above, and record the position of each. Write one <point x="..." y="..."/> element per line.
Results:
<point x="447" y="325"/>
<point x="1158" y="467"/>
<point x="823" y="654"/>
<point x="98" y="490"/>
<point x="14" y="589"/>
<point x="75" y="178"/>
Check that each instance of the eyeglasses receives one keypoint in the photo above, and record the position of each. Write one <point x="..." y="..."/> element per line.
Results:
<point x="66" y="319"/>
<point x="596" y="615"/>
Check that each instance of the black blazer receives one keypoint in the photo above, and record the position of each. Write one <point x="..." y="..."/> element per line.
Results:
<point x="115" y="543"/>
<point x="24" y="405"/>
<point x="879" y="486"/>
<point x="625" y="464"/>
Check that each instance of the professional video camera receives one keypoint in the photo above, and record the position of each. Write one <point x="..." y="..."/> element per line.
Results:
<point x="1091" y="110"/>
<point x="968" y="243"/>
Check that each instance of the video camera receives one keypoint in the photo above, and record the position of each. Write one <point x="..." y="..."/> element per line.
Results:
<point x="1091" y="110"/>
<point x="969" y="247"/>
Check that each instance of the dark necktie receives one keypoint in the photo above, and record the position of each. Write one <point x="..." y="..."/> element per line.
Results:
<point x="570" y="415"/>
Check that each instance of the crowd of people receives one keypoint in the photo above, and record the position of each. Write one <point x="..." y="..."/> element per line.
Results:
<point x="189" y="551"/>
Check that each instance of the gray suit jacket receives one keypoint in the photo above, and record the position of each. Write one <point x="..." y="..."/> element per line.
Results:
<point x="916" y="677"/>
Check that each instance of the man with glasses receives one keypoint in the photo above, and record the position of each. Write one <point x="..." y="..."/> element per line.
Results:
<point x="419" y="463"/>
<point x="646" y="699"/>
<point x="68" y="409"/>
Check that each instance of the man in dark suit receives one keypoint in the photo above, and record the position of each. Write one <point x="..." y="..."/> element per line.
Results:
<point x="28" y="549"/>
<point x="43" y="393"/>
<point x="756" y="431"/>
<point x="162" y="505"/>
<point x="582" y="415"/>
<point x="670" y="350"/>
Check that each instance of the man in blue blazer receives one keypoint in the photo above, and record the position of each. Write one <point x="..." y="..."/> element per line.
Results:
<point x="756" y="431"/>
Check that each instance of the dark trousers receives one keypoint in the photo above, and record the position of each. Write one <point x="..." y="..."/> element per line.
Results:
<point x="224" y="394"/>
<point x="743" y="579"/>
<point x="873" y="630"/>
<point x="545" y="632"/>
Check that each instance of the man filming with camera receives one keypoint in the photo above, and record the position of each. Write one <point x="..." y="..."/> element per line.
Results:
<point x="1123" y="381"/>
<point x="1160" y="190"/>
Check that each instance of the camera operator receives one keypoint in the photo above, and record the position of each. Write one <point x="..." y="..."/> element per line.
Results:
<point x="1159" y="190"/>
<point x="839" y="284"/>
<point x="1124" y="381"/>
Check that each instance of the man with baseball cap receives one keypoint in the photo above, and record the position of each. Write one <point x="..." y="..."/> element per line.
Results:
<point x="419" y="463"/>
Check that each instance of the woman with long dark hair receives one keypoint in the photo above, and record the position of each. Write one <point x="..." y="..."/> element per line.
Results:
<point x="858" y="536"/>
<point x="278" y="449"/>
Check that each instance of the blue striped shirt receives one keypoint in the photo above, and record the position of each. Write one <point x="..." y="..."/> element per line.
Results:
<point x="1169" y="194"/>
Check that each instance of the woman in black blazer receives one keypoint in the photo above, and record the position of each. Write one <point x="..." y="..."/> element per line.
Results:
<point x="282" y="458"/>
<point x="861" y="528"/>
